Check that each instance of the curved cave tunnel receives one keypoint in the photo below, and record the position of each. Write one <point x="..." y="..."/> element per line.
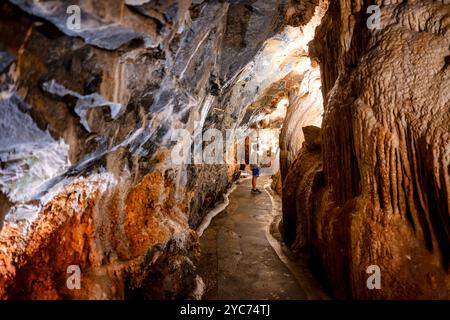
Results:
<point x="89" y="113"/>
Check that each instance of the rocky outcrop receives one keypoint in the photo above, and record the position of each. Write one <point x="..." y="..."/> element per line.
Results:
<point x="303" y="90"/>
<point x="305" y="108"/>
<point x="382" y="197"/>
<point x="297" y="192"/>
<point x="88" y="180"/>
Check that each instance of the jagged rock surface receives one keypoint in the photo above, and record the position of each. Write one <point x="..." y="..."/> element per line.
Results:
<point x="383" y="195"/>
<point x="110" y="96"/>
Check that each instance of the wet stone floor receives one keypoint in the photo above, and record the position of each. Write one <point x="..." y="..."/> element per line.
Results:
<point x="239" y="262"/>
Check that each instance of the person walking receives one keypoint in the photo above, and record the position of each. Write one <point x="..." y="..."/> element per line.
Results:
<point x="256" y="171"/>
<point x="255" y="167"/>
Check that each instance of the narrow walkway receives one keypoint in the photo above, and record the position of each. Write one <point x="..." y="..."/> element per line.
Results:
<point x="238" y="260"/>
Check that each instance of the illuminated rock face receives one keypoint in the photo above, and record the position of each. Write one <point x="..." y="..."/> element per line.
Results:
<point x="87" y="180"/>
<point x="86" y="176"/>
<point x="378" y="191"/>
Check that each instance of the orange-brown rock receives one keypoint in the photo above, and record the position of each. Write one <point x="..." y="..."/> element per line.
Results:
<point x="86" y="223"/>
<point x="106" y="100"/>
<point x="383" y="196"/>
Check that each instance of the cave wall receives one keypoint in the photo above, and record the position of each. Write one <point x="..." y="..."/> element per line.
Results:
<point x="105" y="99"/>
<point x="378" y="193"/>
<point x="303" y="90"/>
<point x="305" y="108"/>
<point x="86" y="177"/>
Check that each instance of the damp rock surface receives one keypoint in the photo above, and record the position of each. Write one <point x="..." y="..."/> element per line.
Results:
<point x="377" y="190"/>
<point x="89" y="119"/>
<point x="103" y="103"/>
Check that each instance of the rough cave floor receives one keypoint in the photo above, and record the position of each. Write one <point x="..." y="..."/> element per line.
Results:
<point x="238" y="260"/>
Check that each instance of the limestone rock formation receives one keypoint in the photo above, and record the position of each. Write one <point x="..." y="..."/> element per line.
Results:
<point x="382" y="197"/>
<point x="298" y="186"/>
<point x="89" y="118"/>
<point x="86" y="140"/>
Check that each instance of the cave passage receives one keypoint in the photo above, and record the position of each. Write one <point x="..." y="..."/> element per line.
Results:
<point x="129" y="130"/>
<point x="242" y="259"/>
